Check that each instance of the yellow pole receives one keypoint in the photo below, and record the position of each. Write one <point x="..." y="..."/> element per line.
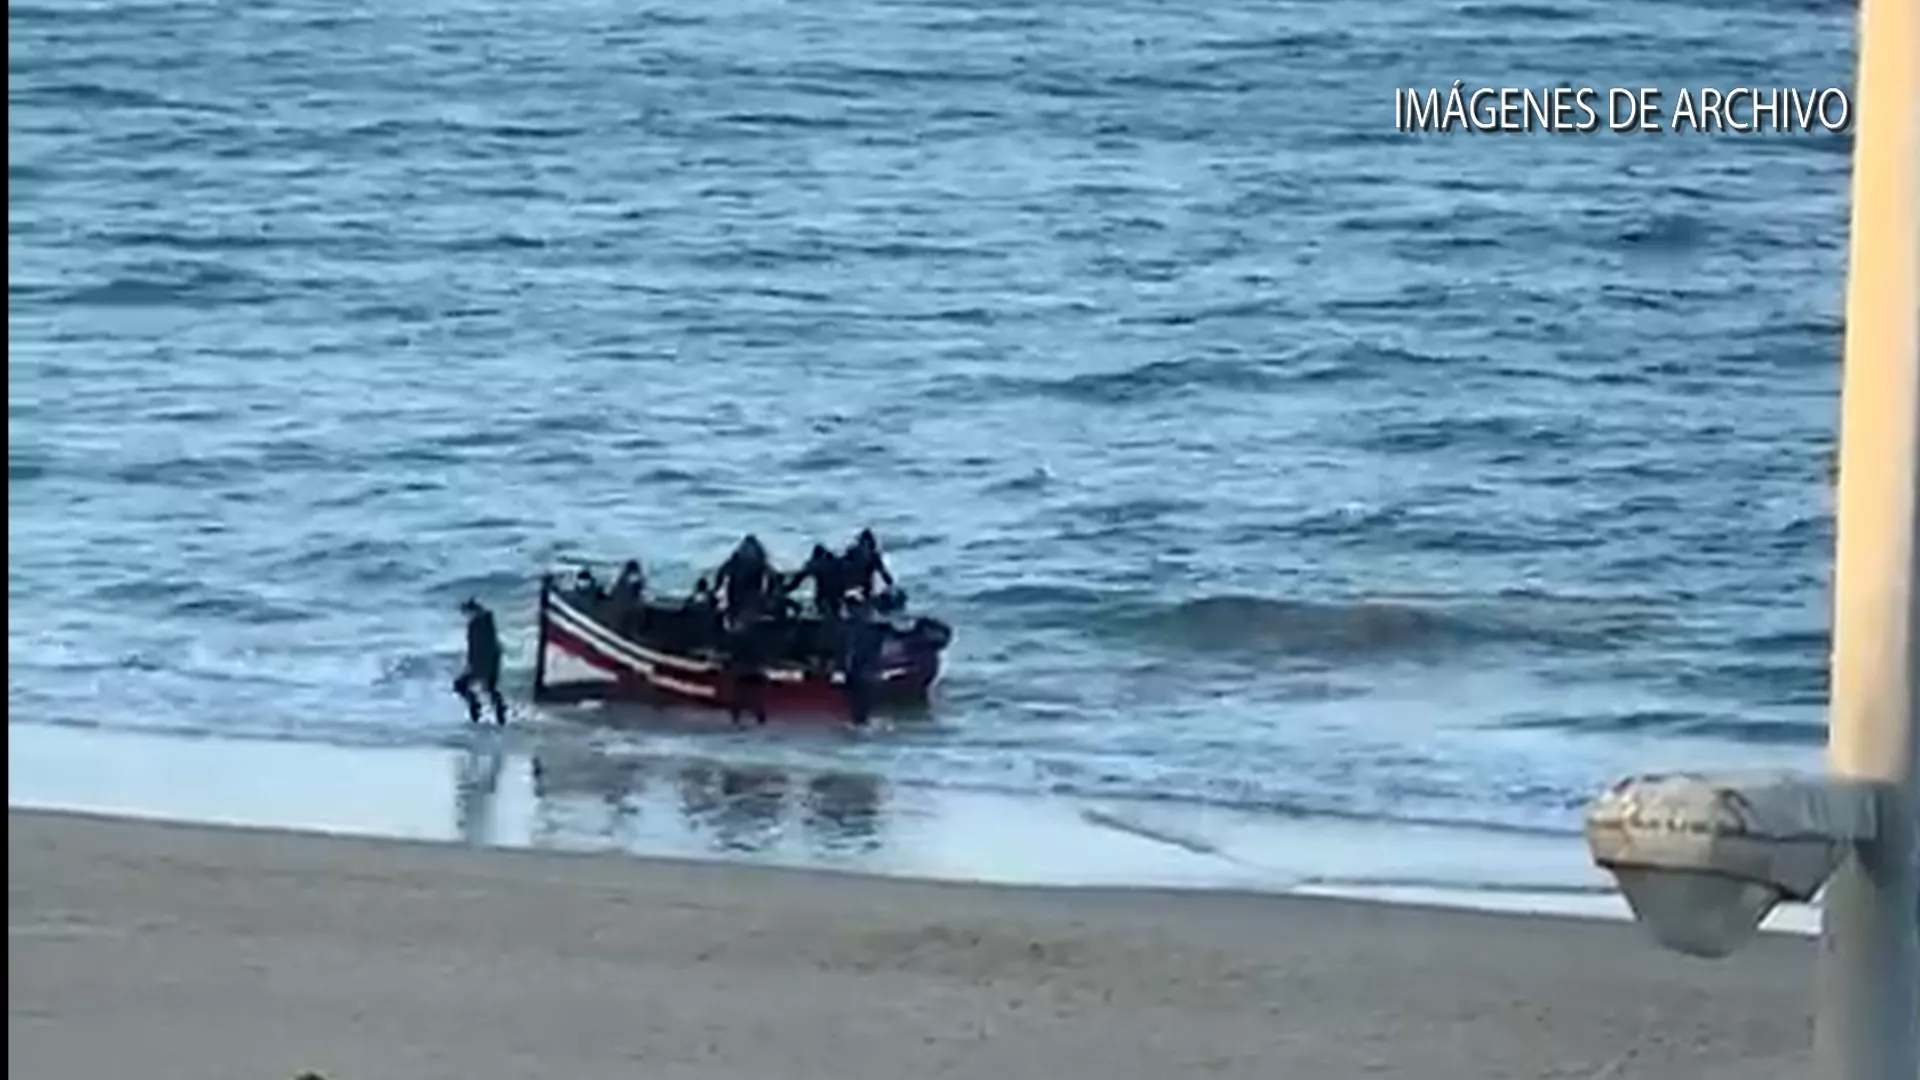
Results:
<point x="1869" y="1006"/>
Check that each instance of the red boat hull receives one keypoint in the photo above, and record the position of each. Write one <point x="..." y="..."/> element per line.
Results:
<point x="582" y="658"/>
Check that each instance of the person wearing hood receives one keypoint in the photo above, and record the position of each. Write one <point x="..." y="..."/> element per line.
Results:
<point x="863" y="563"/>
<point x="746" y="582"/>
<point x="829" y="576"/>
<point x="627" y="596"/>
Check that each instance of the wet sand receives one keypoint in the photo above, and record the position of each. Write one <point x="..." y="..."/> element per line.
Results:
<point x="538" y="790"/>
<point x="197" y="952"/>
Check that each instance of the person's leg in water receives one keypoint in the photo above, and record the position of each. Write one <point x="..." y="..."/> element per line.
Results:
<point x="761" y="638"/>
<point x="757" y="696"/>
<point x="463" y="686"/>
<point x="744" y="677"/>
<point x="746" y="693"/>
<point x="859" y="690"/>
<point x="856" y="672"/>
<point x="734" y="675"/>
<point x="490" y="681"/>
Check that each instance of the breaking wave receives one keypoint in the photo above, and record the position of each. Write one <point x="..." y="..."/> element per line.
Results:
<point x="1233" y="623"/>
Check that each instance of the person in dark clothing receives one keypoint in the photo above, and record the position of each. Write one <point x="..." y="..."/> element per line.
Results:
<point x="829" y="578"/>
<point x="860" y="660"/>
<point x="746" y="670"/>
<point x="703" y="613"/>
<point x="862" y="563"/>
<point x="746" y="581"/>
<point x="483" y="663"/>
<point x="631" y="585"/>
<point x="624" y="598"/>
<point x="629" y="589"/>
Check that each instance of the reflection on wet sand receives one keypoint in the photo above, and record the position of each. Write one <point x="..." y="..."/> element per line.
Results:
<point x="847" y="806"/>
<point x="590" y="798"/>
<point x="743" y="808"/>
<point x="476" y="783"/>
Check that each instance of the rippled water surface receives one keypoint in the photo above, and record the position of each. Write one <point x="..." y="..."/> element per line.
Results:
<point x="1260" y="456"/>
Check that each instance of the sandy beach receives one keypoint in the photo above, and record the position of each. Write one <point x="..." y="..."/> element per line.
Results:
<point x="169" y="951"/>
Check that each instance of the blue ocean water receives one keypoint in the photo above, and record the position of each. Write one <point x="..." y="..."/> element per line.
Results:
<point x="1263" y="457"/>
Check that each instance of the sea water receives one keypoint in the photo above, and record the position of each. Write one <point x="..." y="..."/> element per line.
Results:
<point x="1272" y="466"/>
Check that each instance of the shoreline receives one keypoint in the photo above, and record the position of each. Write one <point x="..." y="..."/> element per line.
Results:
<point x="503" y="793"/>
<point x="207" y="951"/>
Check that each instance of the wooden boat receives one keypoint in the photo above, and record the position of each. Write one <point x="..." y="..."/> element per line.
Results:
<point x="665" y="651"/>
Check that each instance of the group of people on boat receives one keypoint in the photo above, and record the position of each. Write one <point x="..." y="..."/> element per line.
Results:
<point x="745" y="612"/>
<point x="750" y="588"/>
<point x="747" y="587"/>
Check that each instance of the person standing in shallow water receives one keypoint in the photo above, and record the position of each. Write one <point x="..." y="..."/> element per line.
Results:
<point x="483" y="663"/>
<point x="746" y="662"/>
<point x="860" y="661"/>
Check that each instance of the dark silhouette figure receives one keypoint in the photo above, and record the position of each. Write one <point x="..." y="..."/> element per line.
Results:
<point x="829" y="576"/>
<point x="703" y="626"/>
<point x="627" y="596"/>
<point x="860" y="661"/>
<point x="631" y="586"/>
<point x="483" y="664"/>
<point x="746" y="581"/>
<point x="746" y="661"/>
<point x="863" y="563"/>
